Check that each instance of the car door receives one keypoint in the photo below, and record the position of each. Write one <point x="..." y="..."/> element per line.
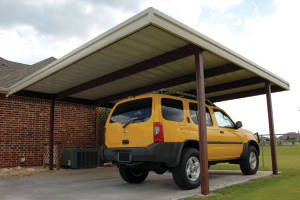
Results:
<point x="210" y="129"/>
<point x="173" y="119"/>
<point x="229" y="139"/>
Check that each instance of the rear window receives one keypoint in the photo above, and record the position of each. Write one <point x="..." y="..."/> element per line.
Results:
<point x="140" y="110"/>
<point x="194" y="111"/>
<point x="172" y="109"/>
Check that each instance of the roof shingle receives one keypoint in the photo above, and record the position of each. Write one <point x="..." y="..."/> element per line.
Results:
<point x="12" y="72"/>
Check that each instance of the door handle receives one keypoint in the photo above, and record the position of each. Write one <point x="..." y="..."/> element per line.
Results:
<point x="222" y="132"/>
<point x="182" y="126"/>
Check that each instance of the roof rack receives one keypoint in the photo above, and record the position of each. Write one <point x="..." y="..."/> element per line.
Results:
<point x="183" y="94"/>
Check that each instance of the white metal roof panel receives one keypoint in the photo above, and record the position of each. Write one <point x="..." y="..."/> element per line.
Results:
<point x="146" y="35"/>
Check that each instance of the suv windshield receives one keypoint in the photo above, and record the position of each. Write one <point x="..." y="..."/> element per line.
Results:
<point x="138" y="111"/>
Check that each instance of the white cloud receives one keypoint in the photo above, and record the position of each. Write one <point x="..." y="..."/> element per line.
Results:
<point x="188" y="12"/>
<point x="238" y="22"/>
<point x="229" y="16"/>
<point x="273" y="43"/>
<point x="220" y="5"/>
<point x="35" y="30"/>
<point x="24" y="44"/>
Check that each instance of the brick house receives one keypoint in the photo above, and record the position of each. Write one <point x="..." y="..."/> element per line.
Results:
<point x="24" y="120"/>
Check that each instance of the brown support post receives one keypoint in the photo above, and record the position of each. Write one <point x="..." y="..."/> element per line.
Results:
<point x="271" y="128"/>
<point x="51" y="134"/>
<point x="202" y="123"/>
<point x="97" y="127"/>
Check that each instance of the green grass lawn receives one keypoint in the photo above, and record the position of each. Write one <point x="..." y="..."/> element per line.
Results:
<point x="283" y="187"/>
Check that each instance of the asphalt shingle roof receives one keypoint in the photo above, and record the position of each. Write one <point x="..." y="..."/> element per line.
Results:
<point x="12" y="72"/>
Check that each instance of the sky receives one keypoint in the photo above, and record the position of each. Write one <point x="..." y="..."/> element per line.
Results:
<point x="266" y="32"/>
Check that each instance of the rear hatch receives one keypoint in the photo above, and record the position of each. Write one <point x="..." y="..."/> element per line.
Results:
<point x="130" y="124"/>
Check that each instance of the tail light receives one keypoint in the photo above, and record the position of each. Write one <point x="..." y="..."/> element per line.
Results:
<point x="158" y="132"/>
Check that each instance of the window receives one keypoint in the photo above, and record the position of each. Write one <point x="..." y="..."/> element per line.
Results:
<point x="194" y="111"/>
<point x="223" y="120"/>
<point x="138" y="110"/>
<point x="172" y="109"/>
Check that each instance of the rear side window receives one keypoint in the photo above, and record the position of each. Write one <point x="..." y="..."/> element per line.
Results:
<point x="138" y="110"/>
<point x="172" y="109"/>
<point x="194" y="111"/>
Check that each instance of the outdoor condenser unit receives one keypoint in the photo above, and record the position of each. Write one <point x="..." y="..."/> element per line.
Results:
<point x="75" y="158"/>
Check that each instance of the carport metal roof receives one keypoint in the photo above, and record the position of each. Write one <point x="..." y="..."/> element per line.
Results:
<point x="147" y="52"/>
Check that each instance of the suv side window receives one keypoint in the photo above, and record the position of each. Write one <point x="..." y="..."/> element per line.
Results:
<point x="172" y="109"/>
<point x="194" y="111"/>
<point x="223" y="120"/>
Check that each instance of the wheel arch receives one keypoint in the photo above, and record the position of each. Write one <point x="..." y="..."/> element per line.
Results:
<point x="254" y="143"/>
<point x="191" y="144"/>
<point x="245" y="148"/>
<point x="186" y="144"/>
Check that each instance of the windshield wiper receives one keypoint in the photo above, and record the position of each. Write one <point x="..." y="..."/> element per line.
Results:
<point x="131" y="120"/>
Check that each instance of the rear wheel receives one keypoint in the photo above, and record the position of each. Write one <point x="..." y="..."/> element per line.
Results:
<point x="187" y="174"/>
<point x="133" y="175"/>
<point x="249" y="164"/>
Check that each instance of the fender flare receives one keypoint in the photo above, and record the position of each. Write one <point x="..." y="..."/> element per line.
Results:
<point x="245" y="148"/>
<point x="190" y="143"/>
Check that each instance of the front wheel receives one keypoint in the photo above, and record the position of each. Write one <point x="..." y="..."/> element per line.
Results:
<point x="187" y="174"/>
<point x="133" y="175"/>
<point x="249" y="164"/>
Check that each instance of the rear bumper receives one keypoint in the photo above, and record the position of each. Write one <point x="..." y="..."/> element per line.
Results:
<point x="167" y="153"/>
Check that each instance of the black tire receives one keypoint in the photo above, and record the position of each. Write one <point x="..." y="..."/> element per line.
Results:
<point x="180" y="176"/>
<point x="133" y="175"/>
<point x="245" y="164"/>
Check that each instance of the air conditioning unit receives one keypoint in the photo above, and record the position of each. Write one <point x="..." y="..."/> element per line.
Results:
<point x="75" y="158"/>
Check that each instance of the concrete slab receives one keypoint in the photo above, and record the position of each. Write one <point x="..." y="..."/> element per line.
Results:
<point x="105" y="183"/>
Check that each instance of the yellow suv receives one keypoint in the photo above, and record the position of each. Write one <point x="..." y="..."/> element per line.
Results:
<point x="159" y="132"/>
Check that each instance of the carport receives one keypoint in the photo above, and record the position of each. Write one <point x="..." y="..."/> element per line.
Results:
<point x="148" y="52"/>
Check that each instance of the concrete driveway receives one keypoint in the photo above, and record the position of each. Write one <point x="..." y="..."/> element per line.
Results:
<point x="105" y="183"/>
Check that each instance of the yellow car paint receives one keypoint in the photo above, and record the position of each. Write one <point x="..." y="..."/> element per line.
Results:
<point x="223" y="143"/>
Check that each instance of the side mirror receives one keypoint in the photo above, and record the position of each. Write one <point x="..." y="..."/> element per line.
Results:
<point x="238" y="124"/>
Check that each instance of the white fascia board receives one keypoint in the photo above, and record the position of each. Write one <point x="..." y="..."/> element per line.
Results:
<point x="120" y="31"/>
<point x="4" y="90"/>
<point x="181" y="30"/>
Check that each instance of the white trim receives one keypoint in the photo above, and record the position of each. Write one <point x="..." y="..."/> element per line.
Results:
<point x="137" y="22"/>
<point x="3" y="90"/>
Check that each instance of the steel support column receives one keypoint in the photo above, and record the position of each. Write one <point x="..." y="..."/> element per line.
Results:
<point x="51" y="134"/>
<point x="271" y="128"/>
<point x="202" y="123"/>
<point x="97" y="127"/>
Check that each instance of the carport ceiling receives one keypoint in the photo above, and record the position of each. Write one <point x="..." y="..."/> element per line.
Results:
<point x="145" y="53"/>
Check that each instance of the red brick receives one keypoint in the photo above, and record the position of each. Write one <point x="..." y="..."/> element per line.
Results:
<point x="24" y="128"/>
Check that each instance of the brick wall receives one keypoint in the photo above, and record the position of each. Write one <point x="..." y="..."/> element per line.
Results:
<point x="24" y="128"/>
